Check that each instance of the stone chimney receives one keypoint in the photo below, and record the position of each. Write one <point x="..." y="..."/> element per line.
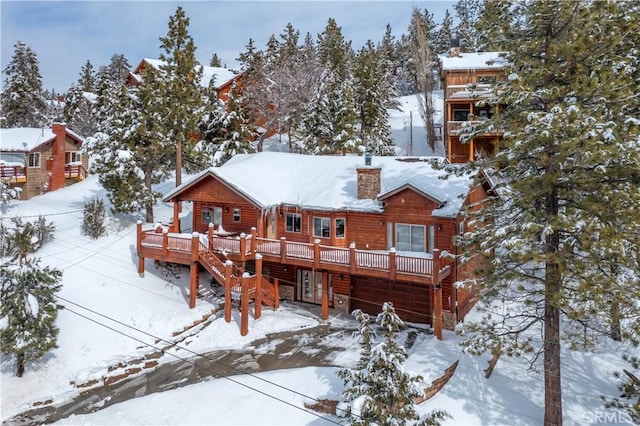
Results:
<point x="454" y="48"/>
<point x="368" y="181"/>
<point x="56" y="160"/>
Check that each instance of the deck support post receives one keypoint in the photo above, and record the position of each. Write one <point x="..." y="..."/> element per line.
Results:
<point x="276" y="293"/>
<point x="194" y="276"/>
<point x="243" y="247"/>
<point x="437" y="310"/>
<point x="316" y="254"/>
<point x="392" y="263"/>
<point x="352" y="258"/>
<point x="176" y="217"/>
<point x="254" y="241"/>
<point x="244" y="303"/>
<point x="227" y="290"/>
<point x="210" y="235"/>
<point x="139" y="248"/>
<point x="165" y="242"/>
<point x="437" y="295"/>
<point x="325" y="299"/>
<point x="257" y="304"/>
<point x="283" y="250"/>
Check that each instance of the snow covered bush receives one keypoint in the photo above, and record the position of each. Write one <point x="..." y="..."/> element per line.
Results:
<point x="378" y="390"/>
<point x="93" y="223"/>
<point x="28" y="310"/>
<point x="23" y="238"/>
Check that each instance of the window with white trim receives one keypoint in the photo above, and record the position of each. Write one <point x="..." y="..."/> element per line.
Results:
<point x="410" y="237"/>
<point x="322" y="227"/>
<point x="72" y="157"/>
<point x="34" y="159"/>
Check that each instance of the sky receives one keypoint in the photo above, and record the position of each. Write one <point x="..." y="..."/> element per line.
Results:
<point x="113" y="316"/>
<point x="65" y="34"/>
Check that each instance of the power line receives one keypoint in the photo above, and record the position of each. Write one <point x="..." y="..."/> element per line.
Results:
<point x="194" y="363"/>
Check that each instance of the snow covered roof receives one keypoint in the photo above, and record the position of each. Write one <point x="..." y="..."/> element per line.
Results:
<point x="471" y="61"/>
<point x="221" y="75"/>
<point x="330" y="182"/>
<point x="25" y="139"/>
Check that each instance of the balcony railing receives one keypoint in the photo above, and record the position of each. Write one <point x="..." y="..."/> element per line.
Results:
<point x="421" y="267"/>
<point x="75" y="171"/>
<point x="13" y="173"/>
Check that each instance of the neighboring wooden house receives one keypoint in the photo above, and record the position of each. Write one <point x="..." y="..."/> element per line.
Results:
<point x="39" y="160"/>
<point x="222" y="79"/>
<point x="468" y="79"/>
<point x="346" y="232"/>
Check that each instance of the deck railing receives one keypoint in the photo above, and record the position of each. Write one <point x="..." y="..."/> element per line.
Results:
<point x="75" y="171"/>
<point x="13" y="172"/>
<point x="315" y="255"/>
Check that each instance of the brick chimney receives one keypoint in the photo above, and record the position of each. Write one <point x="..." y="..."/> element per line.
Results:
<point x="57" y="159"/>
<point x="454" y="48"/>
<point x="368" y="181"/>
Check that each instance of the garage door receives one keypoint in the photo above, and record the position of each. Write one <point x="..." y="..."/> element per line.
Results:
<point x="412" y="302"/>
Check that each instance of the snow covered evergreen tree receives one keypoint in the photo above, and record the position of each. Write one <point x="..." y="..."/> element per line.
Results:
<point x="215" y="61"/>
<point x="87" y="79"/>
<point x="23" y="238"/>
<point x="375" y="93"/>
<point x="330" y="113"/>
<point x="379" y="390"/>
<point x="629" y="386"/>
<point x="225" y="129"/>
<point x="22" y="102"/>
<point x="114" y="73"/>
<point x="28" y="310"/>
<point x="78" y="111"/>
<point x="182" y="92"/>
<point x="132" y="152"/>
<point x="94" y="217"/>
<point x="468" y="12"/>
<point x="442" y="41"/>
<point x="562" y="235"/>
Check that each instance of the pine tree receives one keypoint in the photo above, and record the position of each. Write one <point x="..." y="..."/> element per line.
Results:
<point x="24" y="238"/>
<point x="330" y="115"/>
<point x="132" y="152"/>
<point x="78" y="111"/>
<point x="114" y="73"/>
<point x="28" y="310"/>
<point x="225" y="129"/>
<point x="22" y="101"/>
<point x="215" y="61"/>
<point x="182" y="92"/>
<point x="86" y="82"/>
<point x="379" y="390"/>
<point x="94" y="217"/>
<point x="468" y="13"/>
<point x="569" y="185"/>
<point x="629" y="386"/>
<point x="444" y="35"/>
<point x="374" y="95"/>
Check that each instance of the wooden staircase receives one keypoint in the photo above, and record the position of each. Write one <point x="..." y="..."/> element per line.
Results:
<point x="239" y="285"/>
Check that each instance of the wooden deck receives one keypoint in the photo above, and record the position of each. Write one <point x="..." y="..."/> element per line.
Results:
<point x="178" y="248"/>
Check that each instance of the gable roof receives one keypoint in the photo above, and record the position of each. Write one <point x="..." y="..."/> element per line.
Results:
<point x="330" y="182"/>
<point x="25" y="139"/>
<point x="222" y="76"/>
<point x="473" y="61"/>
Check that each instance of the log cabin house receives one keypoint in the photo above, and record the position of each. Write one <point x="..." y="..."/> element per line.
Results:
<point x="39" y="160"/>
<point x="468" y="79"/>
<point x="346" y="232"/>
